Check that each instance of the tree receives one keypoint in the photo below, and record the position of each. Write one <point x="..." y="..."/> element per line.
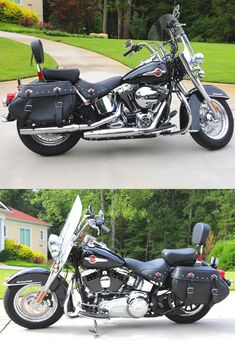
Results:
<point x="76" y="15"/>
<point x="105" y="16"/>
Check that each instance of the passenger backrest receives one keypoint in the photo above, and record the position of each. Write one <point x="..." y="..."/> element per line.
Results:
<point x="200" y="233"/>
<point x="38" y="52"/>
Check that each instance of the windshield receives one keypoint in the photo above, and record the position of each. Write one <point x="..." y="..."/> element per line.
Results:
<point x="164" y="27"/>
<point x="67" y="233"/>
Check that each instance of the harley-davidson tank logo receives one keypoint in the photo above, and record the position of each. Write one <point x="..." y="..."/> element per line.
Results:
<point x="92" y="259"/>
<point x="158" y="72"/>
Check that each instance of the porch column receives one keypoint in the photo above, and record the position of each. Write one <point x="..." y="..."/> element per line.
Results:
<point x="2" y="233"/>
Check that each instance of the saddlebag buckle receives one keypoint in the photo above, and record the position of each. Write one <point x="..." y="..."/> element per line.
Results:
<point x="28" y="108"/>
<point x="190" y="290"/>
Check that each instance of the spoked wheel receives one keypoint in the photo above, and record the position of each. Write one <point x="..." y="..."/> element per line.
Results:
<point x="187" y="314"/>
<point x="49" y="144"/>
<point x="20" y="305"/>
<point x="214" y="133"/>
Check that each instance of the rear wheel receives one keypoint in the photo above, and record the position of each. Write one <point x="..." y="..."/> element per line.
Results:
<point x="20" y="305"/>
<point x="49" y="144"/>
<point x="214" y="134"/>
<point x="189" y="314"/>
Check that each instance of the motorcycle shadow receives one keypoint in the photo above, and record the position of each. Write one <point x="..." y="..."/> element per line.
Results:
<point x="144" y="328"/>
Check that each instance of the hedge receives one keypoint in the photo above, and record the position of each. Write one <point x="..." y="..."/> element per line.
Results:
<point x="225" y="252"/>
<point x="14" y="251"/>
<point x="13" y="13"/>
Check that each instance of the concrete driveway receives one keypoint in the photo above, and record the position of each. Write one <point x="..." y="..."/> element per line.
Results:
<point x="212" y="333"/>
<point x="165" y="162"/>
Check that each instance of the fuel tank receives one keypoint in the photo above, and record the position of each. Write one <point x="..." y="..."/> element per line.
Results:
<point x="154" y="73"/>
<point x="100" y="258"/>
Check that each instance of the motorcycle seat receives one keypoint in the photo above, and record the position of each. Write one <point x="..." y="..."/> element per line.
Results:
<point x="97" y="90"/>
<point x="155" y="270"/>
<point x="174" y="257"/>
<point x="71" y="75"/>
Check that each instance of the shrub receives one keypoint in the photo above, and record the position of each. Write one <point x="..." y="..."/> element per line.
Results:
<point x="13" y="13"/>
<point x="22" y="252"/>
<point x="6" y="255"/>
<point x="225" y="251"/>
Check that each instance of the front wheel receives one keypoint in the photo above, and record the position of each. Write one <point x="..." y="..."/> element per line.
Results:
<point x="49" y="144"/>
<point x="214" y="134"/>
<point x="20" y="305"/>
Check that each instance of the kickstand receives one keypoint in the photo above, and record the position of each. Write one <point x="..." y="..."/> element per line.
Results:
<point x="95" y="330"/>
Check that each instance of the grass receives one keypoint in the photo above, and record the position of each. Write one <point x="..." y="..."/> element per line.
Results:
<point x="20" y="263"/>
<point x="15" y="60"/>
<point x="219" y="58"/>
<point x="231" y="275"/>
<point x="4" y="274"/>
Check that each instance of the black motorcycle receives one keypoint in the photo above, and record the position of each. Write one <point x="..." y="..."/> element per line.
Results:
<point x="104" y="285"/>
<point x="54" y="112"/>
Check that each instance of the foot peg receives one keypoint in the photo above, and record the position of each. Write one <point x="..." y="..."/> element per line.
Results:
<point x="172" y="114"/>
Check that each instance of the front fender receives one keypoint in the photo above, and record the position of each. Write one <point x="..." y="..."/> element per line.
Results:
<point x="195" y="99"/>
<point x="39" y="275"/>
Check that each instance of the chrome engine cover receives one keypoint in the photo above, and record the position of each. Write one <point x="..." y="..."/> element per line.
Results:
<point x="144" y="120"/>
<point x="145" y="97"/>
<point x="134" y="306"/>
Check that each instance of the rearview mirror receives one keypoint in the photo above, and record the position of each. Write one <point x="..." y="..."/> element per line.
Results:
<point x="176" y="11"/>
<point x="128" y="43"/>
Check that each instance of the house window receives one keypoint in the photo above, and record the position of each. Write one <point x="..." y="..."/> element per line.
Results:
<point x="25" y="238"/>
<point x="41" y="235"/>
<point x="19" y="2"/>
<point x="5" y="230"/>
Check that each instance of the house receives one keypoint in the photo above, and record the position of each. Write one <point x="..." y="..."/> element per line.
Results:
<point x="34" y="5"/>
<point x="23" y="228"/>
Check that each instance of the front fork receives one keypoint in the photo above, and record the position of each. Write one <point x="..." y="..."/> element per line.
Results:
<point x="197" y="83"/>
<point x="55" y="270"/>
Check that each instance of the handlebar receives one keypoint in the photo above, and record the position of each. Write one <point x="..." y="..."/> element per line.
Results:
<point x="134" y="48"/>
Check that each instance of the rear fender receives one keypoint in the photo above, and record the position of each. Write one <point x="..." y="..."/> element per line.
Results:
<point x="39" y="276"/>
<point x="195" y="99"/>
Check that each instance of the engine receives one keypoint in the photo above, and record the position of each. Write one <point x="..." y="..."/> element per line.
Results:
<point x="119" y="293"/>
<point x="134" y="305"/>
<point x="141" y="102"/>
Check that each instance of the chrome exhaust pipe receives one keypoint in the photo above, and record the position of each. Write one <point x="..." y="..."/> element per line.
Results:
<point x="72" y="127"/>
<point x="127" y="132"/>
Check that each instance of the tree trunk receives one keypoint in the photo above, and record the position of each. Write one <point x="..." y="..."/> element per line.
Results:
<point x="127" y="20"/>
<point x="105" y="17"/>
<point x="113" y="222"/>
<point x="102" y="200"/>
<point x="120" y="12"/>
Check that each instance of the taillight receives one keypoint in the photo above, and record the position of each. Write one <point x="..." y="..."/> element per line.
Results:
<point x="10" y="96"/>
<point x="222" y="274"/>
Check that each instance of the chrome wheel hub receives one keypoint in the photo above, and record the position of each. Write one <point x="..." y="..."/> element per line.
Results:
<point x="26" y="307"/>
<point x="51" y="139"/>
<point x="215" y="128"/>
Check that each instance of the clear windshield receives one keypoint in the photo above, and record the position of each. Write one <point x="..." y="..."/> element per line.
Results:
<point x="167" y="28"/>
<point x="67" y="233"/>
<point x="164" y="27"/>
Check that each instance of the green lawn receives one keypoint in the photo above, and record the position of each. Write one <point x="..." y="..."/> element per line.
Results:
<point x="231" y="275"/>
<point x="21" y="263"/>
<point x="219" y="58"/>
<point x="4" y="274"/>
<point x="15" y="60"/>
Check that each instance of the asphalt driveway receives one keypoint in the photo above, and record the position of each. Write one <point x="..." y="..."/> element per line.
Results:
<point x="214" y="332"/>
<point x="165" y="162"/>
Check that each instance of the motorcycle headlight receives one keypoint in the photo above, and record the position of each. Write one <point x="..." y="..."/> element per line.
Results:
<point x="199" y="58"/>
<point x="54" y="245"/>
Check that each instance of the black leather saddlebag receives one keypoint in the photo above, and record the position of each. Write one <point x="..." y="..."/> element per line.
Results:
<point x="198" y="285"/>
<point x="43" y="102"/>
